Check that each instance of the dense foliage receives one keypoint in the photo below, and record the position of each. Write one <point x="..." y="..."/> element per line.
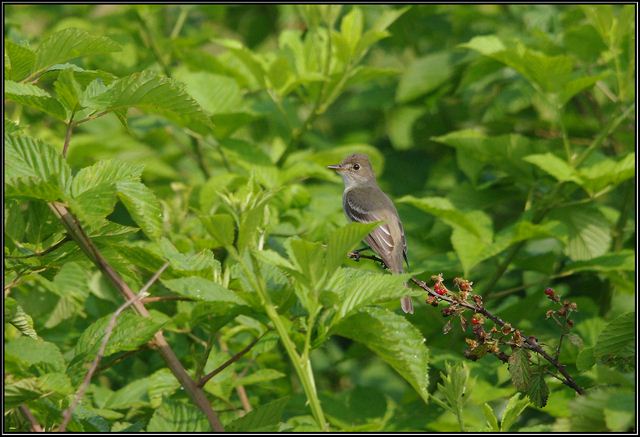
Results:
<point x="199" y="136"/>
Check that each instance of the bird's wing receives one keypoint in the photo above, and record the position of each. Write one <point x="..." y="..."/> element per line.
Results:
<point x="380" y="239"/>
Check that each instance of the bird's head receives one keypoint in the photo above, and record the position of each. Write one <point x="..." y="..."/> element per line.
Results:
<point x="355" y="170"/>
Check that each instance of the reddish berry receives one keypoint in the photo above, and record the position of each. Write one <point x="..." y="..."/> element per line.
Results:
<point x="549" y="292"/>
<point x="475" y="320"/>
<point x="438" y="288"/>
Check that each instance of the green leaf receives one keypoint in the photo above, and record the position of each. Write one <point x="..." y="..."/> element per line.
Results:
<point x="71" y="43"/>
<point x="175" y="416"/>
<point x="21" y="60"/>
<point x="578" y="85"/>
<point x="36" y="164"/>
<point x="94" y="204"/>
<point x="14" y="314"/>
<point x="514" y="409"/>
<point x="26" y="351"/>
<point x="153" y="94"/>
<point x="351" y="27"/>
<point x="453" y="387"/>
<point x="400" y="126"/>
<point x="358" y="288"/>
<point x="475" y="151"/>
<point x="610" y="262"/>
<point x="343" y="240"/>
<point x="616" y="343"/>
<point x="259" y="376"/>
<point x="549" y="73"/>
<point x="131" y="331"/>
<point x="263" y="418"/>
<point x="492" y="420"/>
<point x="216" y="94"/>
<point x="162" y="384"/>
<point x="221" y="227"/>
<point x="556" y="167"/>
<point x="33" y="97"/>
<point x="105" y="172"/>
<point x="589" y="232"/>
<point x="442" y="208"/>
<point x="608" y="173"/>
<point x="520" y="369"/>
<point x="202" y="289"/>
<point x="470" y="248"/>
<point x="393" y="339"/>
<point x="424" y="75"/>
<point x="585" y="359"/>
<point x="68" y="90"/>
<point x="144" y="207"/>
<point x="537" y="391"/>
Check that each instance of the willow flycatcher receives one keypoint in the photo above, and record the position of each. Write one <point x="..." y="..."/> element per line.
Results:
<point x="363" y="201"/>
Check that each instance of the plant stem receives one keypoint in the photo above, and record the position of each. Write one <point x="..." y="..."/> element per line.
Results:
<point x="33" y="422"/>
<point x="302" y="366"/>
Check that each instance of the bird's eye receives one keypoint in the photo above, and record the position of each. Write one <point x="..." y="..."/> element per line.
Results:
<point x="356" y="166"/>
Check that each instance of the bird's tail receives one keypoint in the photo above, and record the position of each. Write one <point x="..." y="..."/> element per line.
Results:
<point x="407" y="304"/>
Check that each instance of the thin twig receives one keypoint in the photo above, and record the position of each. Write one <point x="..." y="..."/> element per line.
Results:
<point x="67" y="136"/>
<point x="166" y="298"/>
<point x="230" y="361"/>
<point x="119" y="359"/>
<point x="44" y="252"/>
<point x="33" y="422"/>
<point x="240" y="390"/>
<point x="531" y="343"/>
<point x="66" y="417"/>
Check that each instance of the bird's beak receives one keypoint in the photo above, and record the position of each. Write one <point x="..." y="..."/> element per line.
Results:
<point x="336" y="167"/>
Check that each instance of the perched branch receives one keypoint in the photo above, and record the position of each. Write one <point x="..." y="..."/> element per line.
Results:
<point x="26" y="412"/>
<point x="230" y="361"/>
<point x="103" y="346"/>
<point x="477" y="307"/>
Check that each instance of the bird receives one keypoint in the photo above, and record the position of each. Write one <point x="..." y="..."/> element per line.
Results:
<point x="363" y="201"/>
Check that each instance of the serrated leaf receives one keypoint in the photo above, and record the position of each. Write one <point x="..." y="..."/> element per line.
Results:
<point x="555" y="166"/>
<point x="162" y="384"/>
<point x="520" y="369"/>
<point x="94" y="204"/>
<point x="608" y="173"/>
<point x="203" y="260"/>
<point x="221" y="227"/>
<point x="144" y="207"/>
<point x="470" y="248"/>
<point x="358" y="288"/>
<point x="14" y="314"/>
<point x="343" y="240"/>
<point x="104" y="172"/>
<point x="259" y="376"/>
<point x="153" y="94"/>
<point x="34" y="97"/>
<point x="424" y="75"/>
<point x="442" y="208"/>
<point x="33" y="164"/>
<point x="616" y="343"/>
<point x="351" y="27"/>
<point x="131" y="331"/>
<point x="589" y="232"/>
<point x="71" y="43"/>
<point x="537" y="391"/>
<point x="263" y="418"/>
<point x="68" y="90"/>
<point x="21" y="59"/>
<point x="453" y="387"/>
<point x="514" y="409"/>
<point x="215" y="93"/>
<point x="492" y="420"/>
<point x="174" y="416"/>
<point x="394" y="340"/>
<point x="202" y="289"/>
<point x="26" y="351"/>
<point x="585" y="359"/>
